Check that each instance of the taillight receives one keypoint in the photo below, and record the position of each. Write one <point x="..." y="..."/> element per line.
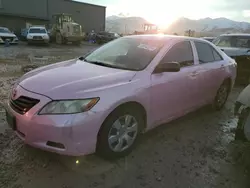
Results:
<point x="233" y="62"/>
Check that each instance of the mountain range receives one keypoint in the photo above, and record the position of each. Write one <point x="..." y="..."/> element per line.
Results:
<point x="122" y="24"/>
<point x="207" y="26"/>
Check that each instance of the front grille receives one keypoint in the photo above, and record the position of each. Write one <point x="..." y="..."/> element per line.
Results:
<point x="7" y="38"/>
<point x="38" y="37"/>
<point x="23" y="104"/>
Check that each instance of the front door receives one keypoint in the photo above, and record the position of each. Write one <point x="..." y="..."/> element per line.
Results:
<point x="174" y="93"/>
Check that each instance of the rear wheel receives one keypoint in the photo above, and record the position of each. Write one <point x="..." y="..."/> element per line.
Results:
<point x="119" y="133"/>
<point x="221" y="96"/>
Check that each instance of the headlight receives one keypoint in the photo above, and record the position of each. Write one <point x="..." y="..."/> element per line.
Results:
<point x="68" y="106"/>
<point x="29" y="36"/>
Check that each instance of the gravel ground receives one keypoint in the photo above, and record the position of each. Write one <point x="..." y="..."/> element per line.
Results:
<point x="196" y="151"/>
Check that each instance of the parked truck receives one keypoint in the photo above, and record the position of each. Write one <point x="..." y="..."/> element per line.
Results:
<point x="148" y="29"/>
<point x="64" y="29"/>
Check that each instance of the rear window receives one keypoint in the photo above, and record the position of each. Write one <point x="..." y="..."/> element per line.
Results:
<point x="207" y="53"/>
<point x="37" y="30"/>
<point x="233" y="41"/>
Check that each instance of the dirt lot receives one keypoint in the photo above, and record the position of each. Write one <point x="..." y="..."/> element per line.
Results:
<point x="196" y="151"/>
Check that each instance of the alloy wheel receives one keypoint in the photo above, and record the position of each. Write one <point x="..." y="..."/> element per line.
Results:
<point x="222" y="95"/>
<point x="123" y="133"/>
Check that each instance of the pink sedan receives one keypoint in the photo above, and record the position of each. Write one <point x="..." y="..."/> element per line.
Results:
<point x="103" y="101"/>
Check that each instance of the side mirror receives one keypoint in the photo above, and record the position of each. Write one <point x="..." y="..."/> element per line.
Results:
<point x="168" y="67"/>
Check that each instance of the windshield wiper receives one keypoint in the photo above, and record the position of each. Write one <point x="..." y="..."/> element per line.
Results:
<point x="104" y="64"/>
<point x="98" y="63"/>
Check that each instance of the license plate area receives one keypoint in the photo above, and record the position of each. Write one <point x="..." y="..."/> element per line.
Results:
<point x="11" y="120"/>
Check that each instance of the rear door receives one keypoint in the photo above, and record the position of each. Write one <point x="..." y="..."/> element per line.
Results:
<point x="211" y="67"/>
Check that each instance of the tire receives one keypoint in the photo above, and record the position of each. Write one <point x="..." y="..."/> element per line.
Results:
<point x="110" y="149"/>
<point x="239" y="133"/>
<point x="59" y="38"/>
<point x="221" y="96"/>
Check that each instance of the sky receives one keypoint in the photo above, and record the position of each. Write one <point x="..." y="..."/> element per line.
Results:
<point x="163" y="12"/>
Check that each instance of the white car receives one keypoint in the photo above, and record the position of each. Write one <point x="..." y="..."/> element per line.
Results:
<point x="38" y="35"/>
<point x="5" y="34"/>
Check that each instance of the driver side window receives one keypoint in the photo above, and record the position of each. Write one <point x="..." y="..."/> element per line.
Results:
<point x="181" y="53"/>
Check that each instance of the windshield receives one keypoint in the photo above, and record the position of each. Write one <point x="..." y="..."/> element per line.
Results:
<point x="67" y="19"/>
<point x="4" y="30"/>
<point x="127" y="53"/>
<point x="233" y="41"/>
<point x="37" y="30"/>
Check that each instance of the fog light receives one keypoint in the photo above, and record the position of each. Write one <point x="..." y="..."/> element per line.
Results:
<point x="55" y="145"/>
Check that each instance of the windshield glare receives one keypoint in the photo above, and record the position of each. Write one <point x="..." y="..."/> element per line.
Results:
<point x="233" y="41"/>
<point x="4" y="30"/>
<point x="37" y="30"/>
<point x="127" y="53"/>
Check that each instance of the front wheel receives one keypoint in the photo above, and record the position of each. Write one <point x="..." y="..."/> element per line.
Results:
<point x="59" y="38"/>
<point x="221" y="96"/>
<point x="119" y="133"/>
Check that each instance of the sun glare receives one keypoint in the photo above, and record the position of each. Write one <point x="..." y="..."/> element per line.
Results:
<point x="164" y="12"/>
<point x="160" y="21"/>
<point x="159" y="15"/>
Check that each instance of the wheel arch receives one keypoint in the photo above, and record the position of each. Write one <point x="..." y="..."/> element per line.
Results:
<point x="228" y="80"/>
<point x="131" y="104"/>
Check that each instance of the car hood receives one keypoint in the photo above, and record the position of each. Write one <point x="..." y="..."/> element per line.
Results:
<point x="7" y="35"/>
<point x="71" y="79"/>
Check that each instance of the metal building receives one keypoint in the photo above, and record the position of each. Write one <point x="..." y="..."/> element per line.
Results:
<point x="18" y="14"/>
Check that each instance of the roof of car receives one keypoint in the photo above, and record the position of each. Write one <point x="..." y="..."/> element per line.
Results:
<point x="3" y="28"/>
<point x="237" y="34"/>
<point x="166" y="37"/>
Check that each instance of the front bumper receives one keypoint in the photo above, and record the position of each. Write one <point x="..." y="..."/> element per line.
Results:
<point x="77" y="133"/>
<point x="14" y="41"/>
<point x="41" y="41"/>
